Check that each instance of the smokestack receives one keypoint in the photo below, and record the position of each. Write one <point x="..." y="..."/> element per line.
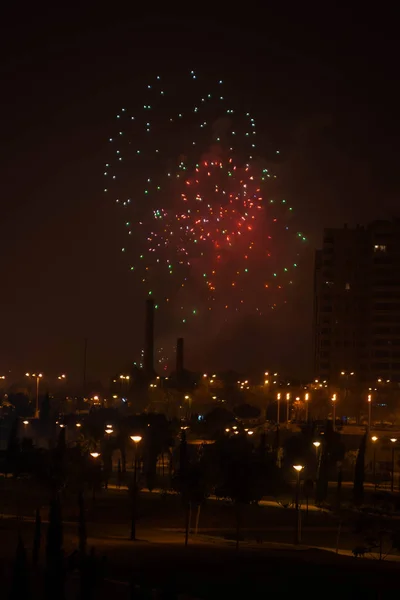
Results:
<point x="179" y="357"/>
<point x="148" y="359"/>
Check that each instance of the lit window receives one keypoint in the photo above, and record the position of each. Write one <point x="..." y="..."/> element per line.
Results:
<point x="379" y="248"/>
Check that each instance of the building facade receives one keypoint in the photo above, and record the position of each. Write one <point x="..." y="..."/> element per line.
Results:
<point x="357" y="304"/>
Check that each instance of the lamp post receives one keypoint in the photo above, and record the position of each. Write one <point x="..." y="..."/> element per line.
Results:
<point x="374" y="440"/>
<point x="334" y="411"/>
<point x="297" y="537"/>
<point x="306" y="399"/>
<point x="287" y="407"/>
<point x="95" y="456"/>
<point x="278" y="406"/>
<point x="369" y="410"/>
<point x="136" y="439"/>
<point x="62" y="378"/>
<point x="38" y="376"/>
<point x="316" y="446"/>
<point x="188" y="399"/>
<point x="393" y="440"/>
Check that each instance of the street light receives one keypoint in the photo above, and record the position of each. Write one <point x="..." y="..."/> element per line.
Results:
<point x="334" y="411"/>
<point x="96" y="475"/>
<point x="374" y="440"/>
<point x="250" y="432"/>
<point x="287" y="407"/>
<point x="297" y="539"/>
<point x="393" y="440"/>
<point x="79" y="425"/>
<point x="136" y="439"/>
<point x="316" y="445"/>
<point x="369" y="410"/>
<point x="278" y="398"/>
<point x="108" y="431"/>
<point x="306" y="398"/>
<point x="62" y="377"/>
<point x="38" y="377"/>
<point x="25" y="422"/>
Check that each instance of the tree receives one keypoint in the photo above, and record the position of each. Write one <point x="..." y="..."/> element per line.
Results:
<point x="243" y="474"/>
<point x="217" y="420"/>
<point x="37" y="538"/>
<point x="20" y="585"/>
<point x="119" y="474"/>
<point x="91" y="572"/>
<point x="359" y="473"/>
<point x="247" y="411"/>
<point x="13" y="448"/>
<point x="332" y="451"/>
<point x="82" y="524"/>
<point x="44" y="414"/>
<point x="54" y="576"/>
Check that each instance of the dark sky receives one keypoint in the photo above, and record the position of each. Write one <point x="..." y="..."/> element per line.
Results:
<point x="325" y="86"/>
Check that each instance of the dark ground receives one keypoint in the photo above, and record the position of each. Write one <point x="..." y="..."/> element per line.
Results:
<point x="210" y="566"/>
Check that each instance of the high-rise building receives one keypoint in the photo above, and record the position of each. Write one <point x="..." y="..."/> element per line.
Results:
<point x="357" y="303"/>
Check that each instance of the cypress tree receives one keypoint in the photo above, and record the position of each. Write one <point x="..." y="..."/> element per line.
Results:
<point x="37" y="538"/>
<point x="359" y="473"/>
<point x="13" y="448"/>
<point x="44" y="414"/>
<point x="54" y="577"/>
<point x="82" y="525"/>
<point x="119" y="473"/>
<point x="20" y="586"/>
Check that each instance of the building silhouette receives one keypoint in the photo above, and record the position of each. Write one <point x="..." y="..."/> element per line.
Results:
<point x="357" y="304"/>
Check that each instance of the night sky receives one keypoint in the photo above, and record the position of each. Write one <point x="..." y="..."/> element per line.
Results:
<point x="325" y="92"/>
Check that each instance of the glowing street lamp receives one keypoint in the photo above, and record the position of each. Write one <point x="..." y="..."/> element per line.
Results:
<point x="95" y="454"/>
<point x="25" y="422"/>
<point x="250" y="432"/>
<point x="278" y="399"/>
<point x="393" y="440"/>
<point x="306" y="399"/>
<point x="136" y="439"/>
<point x="369" y="410"/>
<point x="287" y="407"/>
<point x="38" y="377"/>
<point x="374" y="439"/>
<point x="334" y="411"/>
<point x="316" y="445"/>
<point x="297" y="539"/>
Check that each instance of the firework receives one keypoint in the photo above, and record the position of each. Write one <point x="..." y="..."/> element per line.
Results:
<point x="203" y="231"/>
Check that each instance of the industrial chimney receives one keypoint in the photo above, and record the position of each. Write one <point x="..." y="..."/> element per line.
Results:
<point x="148" y="359"/>
<point x="179" y="358"/>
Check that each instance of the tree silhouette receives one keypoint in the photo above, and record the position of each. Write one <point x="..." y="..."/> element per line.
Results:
<point x="332" y="451"/>
<point x="20" y="585"/>
<point x="44" y="415"/>
<point x="243" y="474"/>
<point x="54" y="575"/>
<point x="359" y="473"/>
<point x="37" y="536"/>
<point x="13" y="448"/>
<point x="247" y="411"/>
<point x="82" y="524"/>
